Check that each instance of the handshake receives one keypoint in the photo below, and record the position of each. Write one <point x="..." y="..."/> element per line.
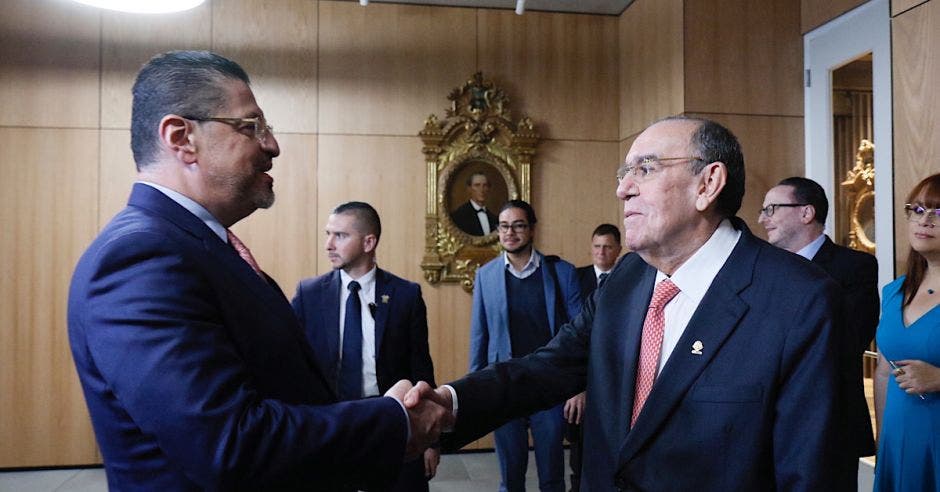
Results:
<point x="430" y="412"/>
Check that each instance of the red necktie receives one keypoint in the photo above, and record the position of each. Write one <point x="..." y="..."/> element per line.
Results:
<point x="244" y="252"/>
<point x="652" y="344"/>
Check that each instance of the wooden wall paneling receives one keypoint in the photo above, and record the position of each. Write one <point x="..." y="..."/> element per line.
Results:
<point x="773" y="150"/>
<point x="117" y="174"/>
<point x="915" y="38"/>
<point x="50" y="64"/>
<point x="560" y="69"/>
<point x="130" y="40"/>
<point x="568" y="212"/>
<point x="900" y="6"/>
<point x="385" y="68"/>
<point x="747" y="63"/>
<point x="651" y="64"/>
<point x="275" y="41"/>
<point x="814" y="13"/>
<point x="48" y="212"/>
<point x="285" y="239"/>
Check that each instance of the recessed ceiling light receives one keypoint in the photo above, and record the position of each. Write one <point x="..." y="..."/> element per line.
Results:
<point x="144" y="6"/>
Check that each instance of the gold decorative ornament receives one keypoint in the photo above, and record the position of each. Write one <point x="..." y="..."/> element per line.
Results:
<point x="477" y="141"/>
<point x="860" y="186"/>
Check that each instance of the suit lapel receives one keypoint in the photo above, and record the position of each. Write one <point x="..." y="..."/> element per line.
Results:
<point x="329" y="307"/>
<point x="715" y="319"/>
<point x="627" y="341"/>
<point x="383" y="298"/>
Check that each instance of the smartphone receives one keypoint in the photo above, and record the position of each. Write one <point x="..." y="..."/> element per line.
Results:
<point x="901" y="371"/>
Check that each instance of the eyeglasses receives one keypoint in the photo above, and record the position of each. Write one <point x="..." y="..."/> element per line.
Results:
<point x="258" y="125"/>
<point x="771" y="208"/>
<point x="649" y="165"/>
<point x="516" y="227"/>
<point x="917" y="212"/>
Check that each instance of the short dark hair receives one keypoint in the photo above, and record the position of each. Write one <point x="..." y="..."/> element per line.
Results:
<point x="524" y="206"/>
<point x="715" y="143"/>
<point x="476" y="173"/>
<point x="367" y="219"/>
<point x="810" y="192"/>
<point x="607" y="230"/>
<point x="186" y="83"/>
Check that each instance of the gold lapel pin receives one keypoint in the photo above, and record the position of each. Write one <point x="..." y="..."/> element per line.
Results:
<point x="697" y="347"/>
<point x="385" y="299"/>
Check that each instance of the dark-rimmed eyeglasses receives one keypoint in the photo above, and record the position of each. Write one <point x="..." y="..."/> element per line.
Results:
<point x="516" y="227"/>
<point x="769" y="210"/>
<point x="258" y="125"/>
<point x="916" y="212"/>
<point x="649" y="166"/>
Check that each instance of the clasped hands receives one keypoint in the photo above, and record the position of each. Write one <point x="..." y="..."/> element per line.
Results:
<point x="430" y="412"/>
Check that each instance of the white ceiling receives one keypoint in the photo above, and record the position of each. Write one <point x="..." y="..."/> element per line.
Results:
<point x="606" y="7"/>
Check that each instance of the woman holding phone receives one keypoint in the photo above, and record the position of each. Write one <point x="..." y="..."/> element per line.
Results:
<point x="907" y="381"/>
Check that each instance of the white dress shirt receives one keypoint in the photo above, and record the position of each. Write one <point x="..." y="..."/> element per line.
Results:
<point x="810" y="250"/>
<point x="370" y="384"/>
<point x="693" y="278"/>
<point x="483" y="218"/>
<point x="597" y="275"/>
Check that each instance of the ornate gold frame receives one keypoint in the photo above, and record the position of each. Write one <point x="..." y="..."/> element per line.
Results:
<point x="477" y="130"/>
<point x="860" y="186"/>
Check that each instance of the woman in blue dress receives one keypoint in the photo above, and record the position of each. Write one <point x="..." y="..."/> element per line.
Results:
<point x="907" y="381"/>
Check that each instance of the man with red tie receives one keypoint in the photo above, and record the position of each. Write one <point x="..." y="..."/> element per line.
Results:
<point x="707" y="355"/>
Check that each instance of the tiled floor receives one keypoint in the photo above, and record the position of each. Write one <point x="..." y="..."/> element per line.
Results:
<point x="468" y="472"/>
<point x="465" y="472"/>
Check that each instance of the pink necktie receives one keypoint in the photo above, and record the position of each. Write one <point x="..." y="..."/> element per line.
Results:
<point x="244" y="252"/>
<point x="652" y="344"/>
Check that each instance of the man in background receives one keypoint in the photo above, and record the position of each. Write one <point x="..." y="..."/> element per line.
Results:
<point x="520" y="298"/>
<point x="605" y="249"/>
<point x="367" y="327"/>
<point x="794" y="215"/>
<point x="472" y="217"/>
<point x="194" y="369"/>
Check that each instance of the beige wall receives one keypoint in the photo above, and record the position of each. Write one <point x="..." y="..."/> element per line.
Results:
<point x="347" y="88"/>
<point x="915" y="52"/>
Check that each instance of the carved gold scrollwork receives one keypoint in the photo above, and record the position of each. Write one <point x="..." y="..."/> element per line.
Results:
<point x="477" y="135"/>
<point x="860" y="186"/>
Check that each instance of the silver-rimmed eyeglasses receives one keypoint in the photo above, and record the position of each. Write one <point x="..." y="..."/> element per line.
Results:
<point x="772" y="207"/>
<point x="257" y="125"/>
<point x="649" y="166"/>
<point x="917" y="212"/>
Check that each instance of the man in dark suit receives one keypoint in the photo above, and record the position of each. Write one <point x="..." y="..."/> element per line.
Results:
<point x="794" y="215"/>
<point x="194" y="369"/>
<point x="472" y="217"/>
<point x="707" y="354"/>
<point x="388" y="340"/>
<point x="605" y="249"/>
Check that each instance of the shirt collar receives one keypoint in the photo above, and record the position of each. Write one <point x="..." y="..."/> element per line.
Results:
<point x="477" y="206"/>
<point x="598" y="271"/>
<point x="810" y="250"/>
<point x="366" y="282"/>
<point x="695" y="276"/>
<point x="193" y="207"/>
<point x="530" y="267"/>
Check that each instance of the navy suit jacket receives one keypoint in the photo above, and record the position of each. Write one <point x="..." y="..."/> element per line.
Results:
<point x="401" y="327"/>
<point x="754" y="411"/>
<point x="587" y="280"/>
<point x="857" y="273"/>
<point x="489" y="321"/>
<point x="196" y="372"/>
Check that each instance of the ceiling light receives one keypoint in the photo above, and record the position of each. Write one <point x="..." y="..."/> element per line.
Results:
<point x="144" y="6"/>
<point x="520" y="7"/>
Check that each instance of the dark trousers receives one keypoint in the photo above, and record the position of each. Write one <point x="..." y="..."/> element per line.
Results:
<point x="574" y="455"/>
